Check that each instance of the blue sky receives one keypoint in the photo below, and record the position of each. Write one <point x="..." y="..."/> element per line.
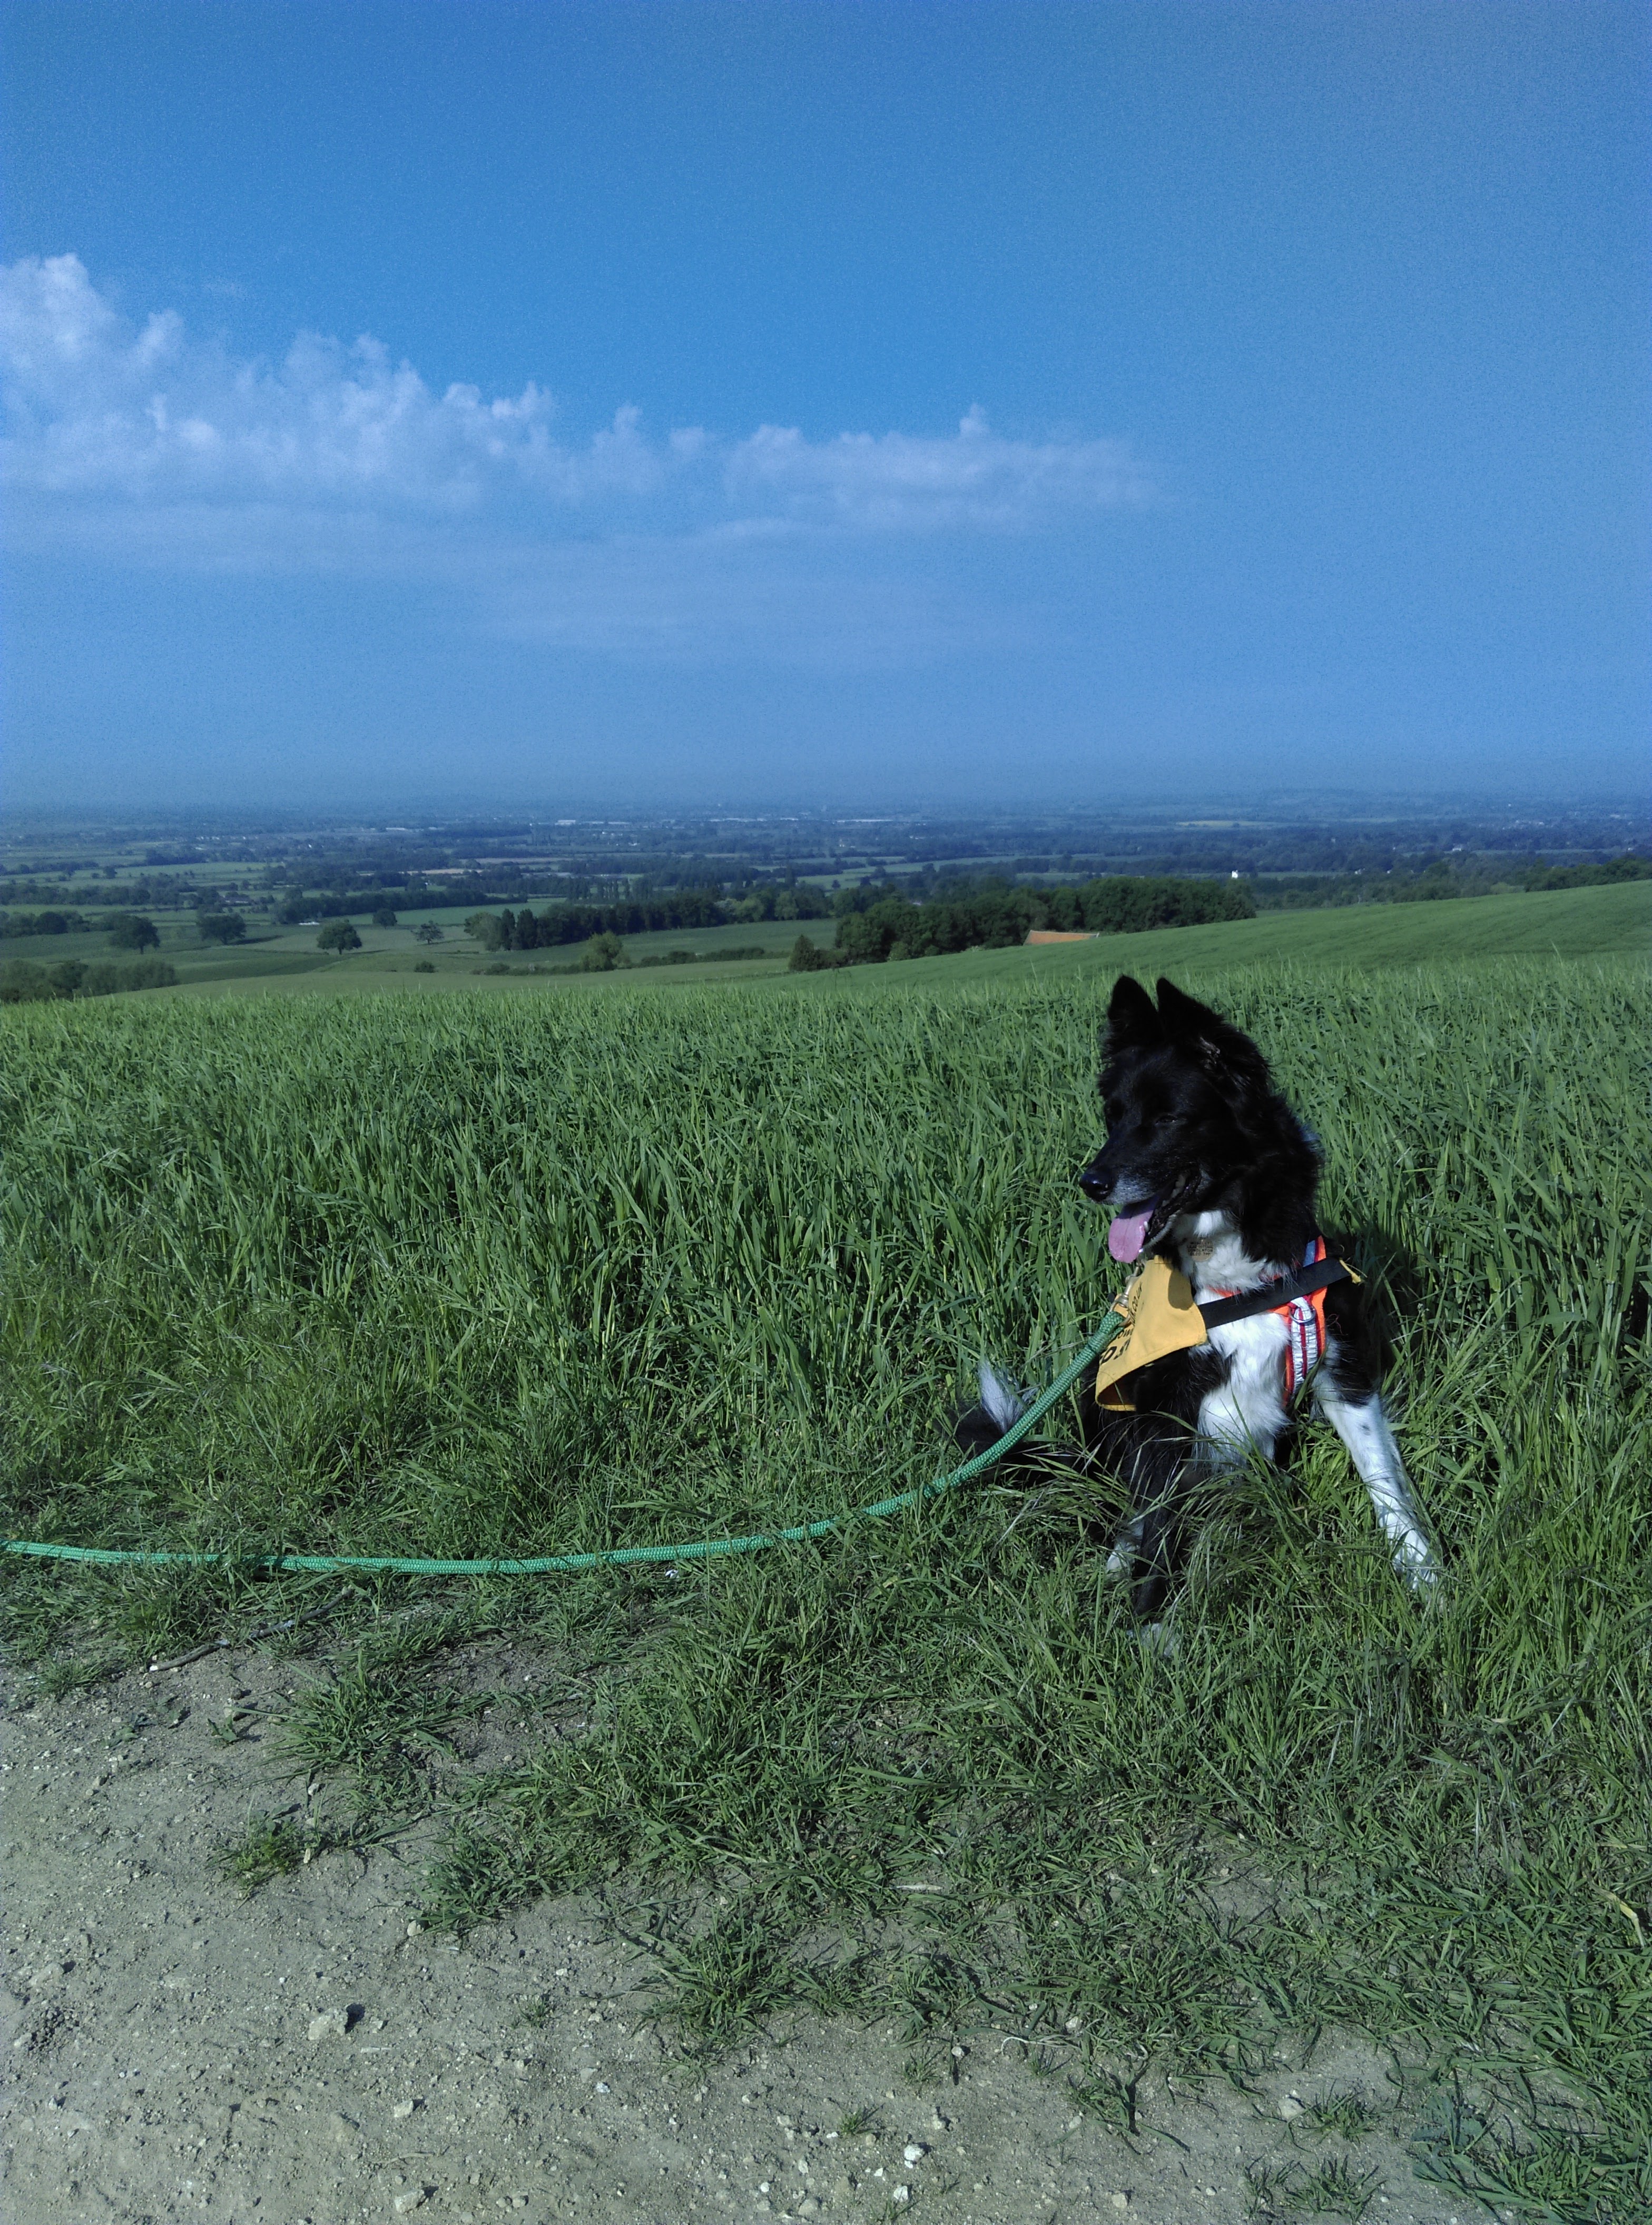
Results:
<point x="818" y="402"/>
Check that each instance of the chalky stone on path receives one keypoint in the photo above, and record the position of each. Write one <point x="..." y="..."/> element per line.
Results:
<point x="440" y="2097"/>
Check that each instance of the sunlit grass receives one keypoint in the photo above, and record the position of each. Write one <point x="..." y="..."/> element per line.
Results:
<point x="465" y="1277"/>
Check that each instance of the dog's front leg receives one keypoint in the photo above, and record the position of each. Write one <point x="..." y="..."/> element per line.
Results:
<point x="1126" y="1552"/>
<point x="1364" y="1428"/>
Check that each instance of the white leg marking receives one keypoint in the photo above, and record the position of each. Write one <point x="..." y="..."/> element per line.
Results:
<point x="1365" y="1430"/>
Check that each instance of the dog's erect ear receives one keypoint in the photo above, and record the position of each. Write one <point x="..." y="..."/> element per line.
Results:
<point x="1218" y="1046"/>
<point x="1131" y="1022"/>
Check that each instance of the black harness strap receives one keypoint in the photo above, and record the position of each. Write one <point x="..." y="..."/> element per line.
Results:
<point x="1272" y="1295"/>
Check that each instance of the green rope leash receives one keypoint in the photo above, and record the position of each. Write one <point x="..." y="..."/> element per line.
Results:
<point x="709" y="1548"/>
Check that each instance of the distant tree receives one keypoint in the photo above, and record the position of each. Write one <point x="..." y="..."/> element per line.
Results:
<point x="425" y="965"/>
<point x="221" y="926"/>
<point x="384" y="915"/>
<point x="602" y="953"/>
<point x="800" y="902"/>
<point x="21" y="983"/>
<point x="338" y="934"/>
<point x="129" y="930"/>
<point x="1626" y="868"/>
<point x="807" y="958"/>
<point x="483" y="927"/>
<point x="104" y="976"/>
<point x="426" y="932"/>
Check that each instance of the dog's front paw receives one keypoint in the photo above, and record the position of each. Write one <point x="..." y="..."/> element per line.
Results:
<point x="1416" y="1562"/>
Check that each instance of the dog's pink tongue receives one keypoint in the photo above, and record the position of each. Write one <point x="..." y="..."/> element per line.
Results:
<point x="1125" y="1237"/>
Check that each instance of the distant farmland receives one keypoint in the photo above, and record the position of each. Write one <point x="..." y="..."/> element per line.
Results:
<point x="1565" y="924"/>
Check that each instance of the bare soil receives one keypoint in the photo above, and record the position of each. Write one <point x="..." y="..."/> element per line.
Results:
<point x="178" y="2051"/>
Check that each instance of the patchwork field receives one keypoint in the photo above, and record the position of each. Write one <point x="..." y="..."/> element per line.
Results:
<point x="467" y="1276"/>
<point x="1559" y="924"/>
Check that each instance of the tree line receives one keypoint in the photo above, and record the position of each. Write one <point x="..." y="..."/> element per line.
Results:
<point x="127" y="931"/>
<point x="22" y="982"/>
<point x="295" y="907"/>
<point x="991" y="918"/>
<point x="560" y="923"/>
<point x="51" y="921"/>
<point x="165" y="890"/>
<point x="1437" y="879"/>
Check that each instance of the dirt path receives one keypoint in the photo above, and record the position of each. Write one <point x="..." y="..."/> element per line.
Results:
<point x="178" y="2052"/>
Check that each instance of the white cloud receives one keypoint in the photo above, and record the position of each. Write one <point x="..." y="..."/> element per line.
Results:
<point x="896" y="482"/>
<point x="94" y="406"/>
<point x="98" y="410"/>
<point x="141" y="445"/>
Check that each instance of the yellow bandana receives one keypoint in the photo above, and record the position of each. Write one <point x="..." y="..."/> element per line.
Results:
<point x="1160" y="1317"/>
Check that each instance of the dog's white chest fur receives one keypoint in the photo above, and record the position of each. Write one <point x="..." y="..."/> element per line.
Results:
<point x="1249" y="1407"/>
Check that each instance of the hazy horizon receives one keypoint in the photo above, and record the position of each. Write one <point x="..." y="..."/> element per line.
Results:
<point x="1412" y="815"/>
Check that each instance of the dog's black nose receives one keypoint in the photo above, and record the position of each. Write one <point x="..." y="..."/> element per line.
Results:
<point x="1094" y="1184"/>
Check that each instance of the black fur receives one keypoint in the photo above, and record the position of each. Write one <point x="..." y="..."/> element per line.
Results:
<point x="1193" y="1120"/>
<point x="1194" y="1126"/>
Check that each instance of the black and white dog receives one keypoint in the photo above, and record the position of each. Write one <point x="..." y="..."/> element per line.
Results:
<point x="1211" y="1177"/>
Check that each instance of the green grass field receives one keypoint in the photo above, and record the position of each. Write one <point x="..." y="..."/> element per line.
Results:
<point x="460" y="1276"/>
<point x="1561" y="923"/>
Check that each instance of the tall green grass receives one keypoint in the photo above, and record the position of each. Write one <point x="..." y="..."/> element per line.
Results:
<point x="456" y="1278"/>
